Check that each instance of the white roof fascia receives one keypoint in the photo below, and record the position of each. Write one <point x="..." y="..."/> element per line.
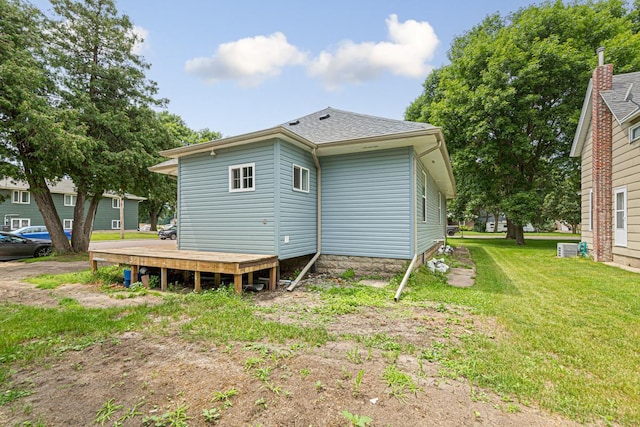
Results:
<point x="583" y="124"/>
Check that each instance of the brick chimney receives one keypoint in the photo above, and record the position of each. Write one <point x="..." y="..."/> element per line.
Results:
<point x="601" y="125"/>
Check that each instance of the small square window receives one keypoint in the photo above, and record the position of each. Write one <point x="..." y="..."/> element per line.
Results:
<point x="300" y="178"/>
<point x="70" y="199"/>
<point x="67" y="224"/>
<point x="242" y="177"/>
<point x="634" y="133"/>
<point x="115" y="203"/>
<point x="115" y="224"/>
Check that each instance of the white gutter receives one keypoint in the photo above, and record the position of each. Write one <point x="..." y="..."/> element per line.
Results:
<point x="405" y="279"/>
<point x="319" y="224"/>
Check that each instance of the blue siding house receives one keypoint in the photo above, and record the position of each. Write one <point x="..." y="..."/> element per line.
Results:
<point x="359" y="190"/>
<point x="19" y="209"/>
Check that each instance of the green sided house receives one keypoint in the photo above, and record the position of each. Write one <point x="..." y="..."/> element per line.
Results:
<point x="356" y="191"/>
<point x="19" y="209"/>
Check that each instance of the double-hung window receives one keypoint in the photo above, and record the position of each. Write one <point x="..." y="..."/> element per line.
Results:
<point x="115" y="224"/>
<point x="115" y="203"/>
<point x="424" y="197"/>
<point x="70" y="199"/>
<point x="300" y="178"/>
<point x="21" y="197"/>
<point x="242" y="177"/>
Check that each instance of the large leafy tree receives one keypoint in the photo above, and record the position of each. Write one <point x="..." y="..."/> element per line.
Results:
<point x="102" y="80"/>
<point x="510" y="98"/>
<point x="36" y="138"/>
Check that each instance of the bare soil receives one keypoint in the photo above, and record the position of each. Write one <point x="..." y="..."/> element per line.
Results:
<point x="156" y="374"/>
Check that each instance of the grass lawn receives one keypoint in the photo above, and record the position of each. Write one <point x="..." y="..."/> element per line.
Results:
<point x="560" y="333"/>
<point x="569" y="330"/>
<point x="98" y="236"/>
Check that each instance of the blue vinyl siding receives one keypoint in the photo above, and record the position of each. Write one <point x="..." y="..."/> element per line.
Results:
<point x="367" y="204"/>
<point x="436" y="223"/>
<point x="297" y="210"/>
<point x="213" y="219"/>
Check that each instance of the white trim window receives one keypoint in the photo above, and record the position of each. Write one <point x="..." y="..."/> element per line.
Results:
<point x="67" y="224"/>
<point x="300" y="178"/>
<point x="115" y="224"/>
<point x="115" y="203"/>
<point x="242" y="177"/>
<point x="21" y="197"/>
<point x="439" y="207"/>
<point x="20" y="222"/>
<point x="634" y="133"/>
<point x="424" y="197"/>
<point x="70" y="199"/>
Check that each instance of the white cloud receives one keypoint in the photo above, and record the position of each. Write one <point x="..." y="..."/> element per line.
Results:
<point x="141" y="45"/>
<point x="249" y="61"/>
<point x="411" y="44"/>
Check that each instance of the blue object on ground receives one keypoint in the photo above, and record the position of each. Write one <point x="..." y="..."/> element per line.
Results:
<point x="127" y="278"/>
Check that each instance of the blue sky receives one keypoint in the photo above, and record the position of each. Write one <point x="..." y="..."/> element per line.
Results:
<point x="240" y="66"/>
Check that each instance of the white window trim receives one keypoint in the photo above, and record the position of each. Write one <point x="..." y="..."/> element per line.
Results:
<point x="424" y="196"/>
<point x="115" y="203"/>
<point x="632" y="129"/>
<point x="115" y="224"/>
<point x="67" y="224"/>
<point x="242" y="178"/>
<point x="19" y="200"/>
<point x="303" y="182"/>
<point x="439" y="207"/>
<point x="20" y="224"/>
<point x="72" y="199"/>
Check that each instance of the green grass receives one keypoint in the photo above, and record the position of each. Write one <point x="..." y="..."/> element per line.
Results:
<point x="569" y="330"/>
<point x="98" y="236"/>
<point x="555" y="234"/>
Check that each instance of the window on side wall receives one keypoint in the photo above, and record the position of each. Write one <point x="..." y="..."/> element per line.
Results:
<point x="634" y="133"/>
<point x="20" y="222"/>
<point x="115" y="224"/>
<point x="67" y="224"/>
<point x="70" y="199"/>
<point x="242" y="177"/>
<point x="300" y="178"/>
<point x="21" y="197"/>
<point x="115" y="203"/>
<point x="439" y="208"/>
<point x="424" y="197"/>
<point x="591" y="209"/>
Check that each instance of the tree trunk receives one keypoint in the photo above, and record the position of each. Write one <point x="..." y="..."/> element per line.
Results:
<point x="511" y="229"/>
<point x="153" y="219"/>
<point x="496" y="220"/>
<point x="83" y="225"/>
<point x="42" y="195"/>
<point x="519" y="235"/>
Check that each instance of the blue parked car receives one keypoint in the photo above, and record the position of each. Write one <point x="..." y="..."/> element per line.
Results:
<point x="37" y="232"/>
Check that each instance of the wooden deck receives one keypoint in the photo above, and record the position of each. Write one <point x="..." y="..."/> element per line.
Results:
<point x="196" y="261"/>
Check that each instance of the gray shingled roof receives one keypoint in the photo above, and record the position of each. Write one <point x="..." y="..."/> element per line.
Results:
<point x="338" y="125"/>
<point x="615" y="98"/>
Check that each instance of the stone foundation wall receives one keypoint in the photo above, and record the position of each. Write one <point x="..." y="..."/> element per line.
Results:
<point x="335" y="265"/>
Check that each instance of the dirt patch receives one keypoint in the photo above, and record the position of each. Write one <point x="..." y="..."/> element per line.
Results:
<point x="159" y="374"/>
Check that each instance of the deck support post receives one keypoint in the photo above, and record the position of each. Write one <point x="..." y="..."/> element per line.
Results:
<point x="163" y="279"/>
<point x="216" y="279"/>
<point x="237" y="283"/>
<point x="272" y="278"/>
<point x="196" y="279"/>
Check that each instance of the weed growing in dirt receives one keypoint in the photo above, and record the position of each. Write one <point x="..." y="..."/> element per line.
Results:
<point x="211" y="415"/>
<point x="358" y="383"/>
<point x="52" y="281"/>
<point x="225" y="396"/>
<point x="304" y="373"/>
<point x="399" y="382"/>
<point x="354" y="356"/>
<point x="12" y="395"/>
<point x="348" y="274"/>
<point x="357" y="420"/>
<point x="175" y="418"/>
<point x="106" y="411"/>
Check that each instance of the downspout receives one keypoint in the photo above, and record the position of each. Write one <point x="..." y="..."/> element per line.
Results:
<point x="407" y="274"/>
<point x="318" y="226"/>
